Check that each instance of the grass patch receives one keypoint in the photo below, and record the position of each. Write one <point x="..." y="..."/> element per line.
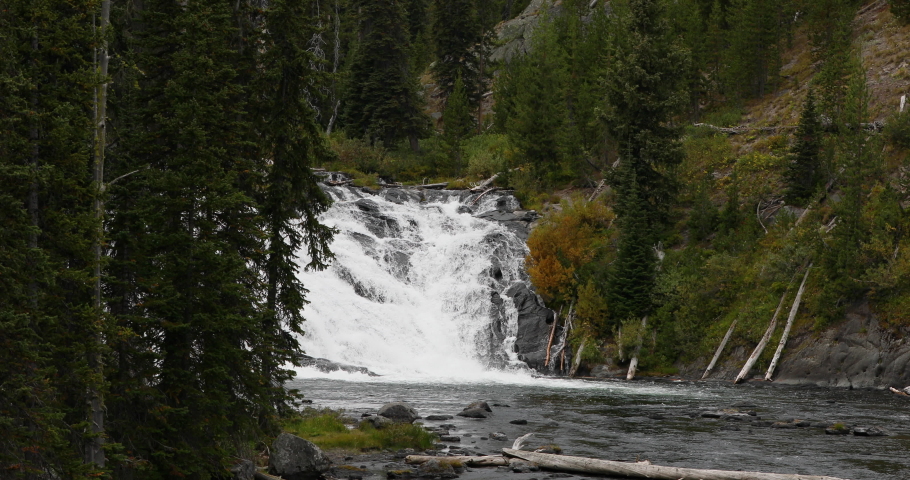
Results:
<point x="328" y="430"/>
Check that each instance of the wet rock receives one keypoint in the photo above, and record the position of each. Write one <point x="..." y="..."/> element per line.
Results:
<point x="712" y="414"/>
<point x="400" y="196"/>
<point x="520" y="466"/>
<point x="789" y="424"/>
<point x="436" y="468"/>
<point x="657" y="416"/>
<point x="328" y="366"/>
<point x="534" y="321"/>
<point x="243" y="470"/>
<point x="517" y="221"/>
<point x="399" y="412"/>
<point x="439" y="417"/>
<point x="762" y="423"/>
<point x="449" y="438"/>
<point x="479" y="404"/>
<point x="474" y="413"/>
<point x="837" y="429"/>
<point x="448" y="426"/>
<point x="519" y="421"/>
<point x="465" y="209"/>
<point x="870" y="432"/>
<point x="499" y="436"/>
<point x="294" y="458"/>
<point x="400" y="474"/>
<point x="379" y="422"/>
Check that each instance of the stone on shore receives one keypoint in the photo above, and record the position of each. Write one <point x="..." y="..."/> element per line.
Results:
<point x="294" y="458"/>
<point x="399" y="412"/>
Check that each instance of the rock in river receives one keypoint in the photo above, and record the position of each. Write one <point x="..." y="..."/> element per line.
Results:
<point x="294" y="458"/>
<point x="399" y="412"/>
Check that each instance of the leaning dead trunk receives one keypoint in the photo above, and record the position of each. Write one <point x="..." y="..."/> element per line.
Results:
<point x="592" y="466"/>
<point x="783" y="338"/>
<point x="720" y="349"/>
<point x="577" y="362"/>
<point x="633" y="365"/>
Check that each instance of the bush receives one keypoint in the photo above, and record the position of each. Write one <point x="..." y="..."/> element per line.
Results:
<point x="486" y="154"/>
<point x="897" y="131"/>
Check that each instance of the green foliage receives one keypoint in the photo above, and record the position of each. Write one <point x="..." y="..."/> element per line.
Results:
<point x="486" y="154"/>
<point x="457" y="34"/>
<point x="459" y="123"/>
<point x="901" y="10"/>
<point x="758" y="30"/>
<point x="380" y="102"/>
<point x="328" y="430"/>
<point x="804" y="170"/>
<point x="897" y="130"/>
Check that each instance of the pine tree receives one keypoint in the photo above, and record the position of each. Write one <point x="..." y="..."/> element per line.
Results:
<point x="46" y="225"/>
<point x="644" y="84"/>
<point x="458" y="124"/>
<point x="901" y="9"/>
<point x="632" y="275"/>
<point x="804" y="169"/>
<point x="457" y="33"/>
<point x="380" y="101"/>
<point x="758" y="29"/>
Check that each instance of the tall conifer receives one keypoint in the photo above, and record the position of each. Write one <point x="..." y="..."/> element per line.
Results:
<point x="804" y="170"/>
<point x="458" y="35"/>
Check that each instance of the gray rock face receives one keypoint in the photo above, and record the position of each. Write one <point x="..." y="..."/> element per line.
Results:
<point x="294" y="458"/>
<point x="857" y="354"/>
<point x="518" y="221"/>
<point x="399" y="412"/>
<point x="534" y="322"/>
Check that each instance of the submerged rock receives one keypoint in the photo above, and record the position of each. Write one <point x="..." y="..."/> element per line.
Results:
<point x="474" y="413"/>
<point x="294" y="458"/>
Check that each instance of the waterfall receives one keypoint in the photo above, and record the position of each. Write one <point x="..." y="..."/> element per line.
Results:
<point x="417" y="287"/>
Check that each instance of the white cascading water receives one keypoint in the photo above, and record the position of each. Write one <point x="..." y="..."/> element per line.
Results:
<point x="410" y="294"/>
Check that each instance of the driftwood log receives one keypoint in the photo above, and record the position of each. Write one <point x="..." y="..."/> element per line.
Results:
<point x="485" y="461"/>
<point x="583" y="465"/>
<point x="899" y="392"/>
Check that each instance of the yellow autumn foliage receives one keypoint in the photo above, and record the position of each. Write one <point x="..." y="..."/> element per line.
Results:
<point x="565" y="240"/>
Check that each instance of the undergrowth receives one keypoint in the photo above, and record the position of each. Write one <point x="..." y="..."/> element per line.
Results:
<point x="328" y="430"/>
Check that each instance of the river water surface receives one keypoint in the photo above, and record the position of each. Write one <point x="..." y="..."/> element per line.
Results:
<point x="655" y="420"/>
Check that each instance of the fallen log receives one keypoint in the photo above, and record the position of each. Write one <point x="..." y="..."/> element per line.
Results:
<point x="485" y="461"/>
<point x="783" y="338"/>
<point x="486" y="183"/>
<point x="720" y="349"/>
<point x="564" y="463"/>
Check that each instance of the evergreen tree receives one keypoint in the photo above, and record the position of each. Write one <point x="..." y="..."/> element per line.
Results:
<point x="804" y="169"/>
<point x="644" y="84"/>
<point x="900" y="9"/>
<point x="380" y="100"/>
<point x="632" y="275"/>
<point x="457" y="33"/>
<point x="458" y="124"/>
<point x="758" y="29"/>
<point x="47" y="320"/>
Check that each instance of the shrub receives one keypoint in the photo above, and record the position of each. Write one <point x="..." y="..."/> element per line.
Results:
<point x="897" y="131"/>
<point x="486" y="154"/>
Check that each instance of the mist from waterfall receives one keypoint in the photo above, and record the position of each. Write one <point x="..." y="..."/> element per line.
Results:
<point x="416" y="286"/>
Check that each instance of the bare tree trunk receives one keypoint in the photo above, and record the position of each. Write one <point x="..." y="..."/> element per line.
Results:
<point x="633" y="365"/>
<point x="546" y="362"/>
<point x="94" y="452"/>
<point x="577" y="361"/>
<point x="763" y="342"/>
<point x="783" y="338"/>
<point x="720" y="349"/>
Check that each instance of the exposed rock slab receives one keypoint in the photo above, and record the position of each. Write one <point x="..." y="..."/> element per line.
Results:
<point x="328" y="366"/>
<point x="534" y="321"/>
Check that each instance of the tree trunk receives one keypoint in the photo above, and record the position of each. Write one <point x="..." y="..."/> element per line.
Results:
<point x="577" y="361"/>
<point x="592" y="466"/>
<point x="94" y="452"/>
<point x="764" y="340"/>
<point x="720" y="349"/>
<point x="783" y="338"/>
<point x="546" y="362"/>
<point x="633" y="365"/>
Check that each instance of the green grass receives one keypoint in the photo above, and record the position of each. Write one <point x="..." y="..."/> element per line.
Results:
<point x="326" y="428"/>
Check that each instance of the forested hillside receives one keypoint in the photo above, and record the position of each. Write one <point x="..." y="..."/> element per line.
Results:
<point x="156" y="185"/>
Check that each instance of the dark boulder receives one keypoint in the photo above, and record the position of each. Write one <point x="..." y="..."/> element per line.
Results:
<point x="534" y="321"/>
<point x="294" y="458"/>
<point x="245" y="470"/>
<point x="474" y="413"/>
<point x="439" y="417"/>
<point x="379" y="422"/>
<point x="399" y="412"/>
<point x="519" y="422"/>
<point x="499" y="436"/>
<point x="436" y="469"/>
<point x="870" y="432"/>
<point x="479" y="404"/>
